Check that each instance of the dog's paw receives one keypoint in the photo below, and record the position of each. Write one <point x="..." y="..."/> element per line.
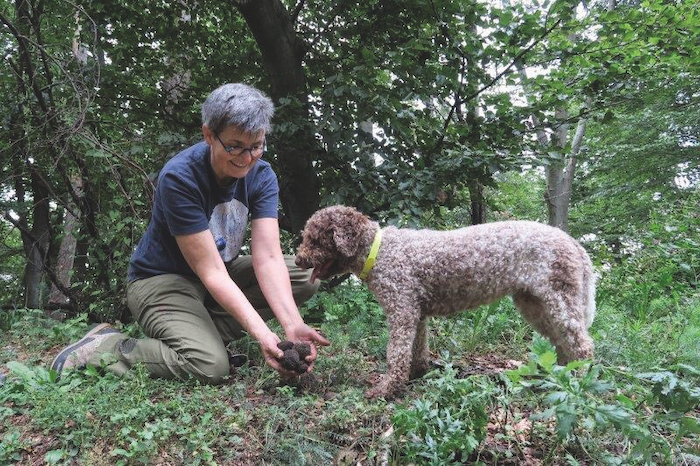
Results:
<point x="419" y="369"/>
<point x="374" y="393"/>
<point x="384" y="389"/>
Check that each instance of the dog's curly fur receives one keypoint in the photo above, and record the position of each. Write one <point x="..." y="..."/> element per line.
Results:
<point x="423" y="273"/>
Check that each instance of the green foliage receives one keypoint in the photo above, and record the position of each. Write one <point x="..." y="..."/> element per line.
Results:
<point x="579" y="413"/>
<point x="498" y="323"/>
<point x="403" y="102"/>
<point x="639" y="162"/>
<point x="575" y="401"/>
<point x="85" y="406"/>
<point x="447" y="423"/>
<point x="402" y="99"/>
<point x="664" y="265"/>
<point x="518" y="196"/>
<point x="10" y="447"/>
<point x="342" y="304"/>
<point x="8" y="318"/>
<point x="32" y="327"/>
<point x="513" y="196"/>
<point x="12" y="264"/>
<point x="581" y="401"/>
<point x="675" y="394"/>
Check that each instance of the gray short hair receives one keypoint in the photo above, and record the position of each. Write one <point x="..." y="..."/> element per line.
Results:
<point x="239" y="105"/>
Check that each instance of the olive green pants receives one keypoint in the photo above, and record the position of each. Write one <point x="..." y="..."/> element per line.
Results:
<point x="186" y="329"/>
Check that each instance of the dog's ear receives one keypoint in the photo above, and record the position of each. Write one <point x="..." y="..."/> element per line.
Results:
<point x="345" y="242"/>
<point x="347" y="231"/>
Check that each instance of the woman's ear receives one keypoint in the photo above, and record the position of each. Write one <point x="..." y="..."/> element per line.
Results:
<point x="208" y="135"/>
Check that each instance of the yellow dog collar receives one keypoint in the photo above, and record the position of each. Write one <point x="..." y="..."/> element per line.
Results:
<point x="369" y="263"/>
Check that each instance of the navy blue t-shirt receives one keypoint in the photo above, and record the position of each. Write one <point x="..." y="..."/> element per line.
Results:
<point x="189" y="200"/>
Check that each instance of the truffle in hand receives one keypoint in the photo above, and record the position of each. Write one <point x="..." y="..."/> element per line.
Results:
<point x="294" y="356"/>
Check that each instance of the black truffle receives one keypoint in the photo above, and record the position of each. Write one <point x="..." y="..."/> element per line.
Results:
<point x="285" y="345"/>
<point x="294" y="356"/>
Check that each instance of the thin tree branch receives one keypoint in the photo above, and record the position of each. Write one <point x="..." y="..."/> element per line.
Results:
<point x="513" y="62"/>
<point x="295" y="14"/>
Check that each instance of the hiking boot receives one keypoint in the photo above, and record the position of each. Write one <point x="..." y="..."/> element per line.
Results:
<point x="237" y="360"/>
<point x="78" y="354"/>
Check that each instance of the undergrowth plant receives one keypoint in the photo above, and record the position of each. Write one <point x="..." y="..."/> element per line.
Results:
<point x="663" y="266"/>
<point x="447" y="423"/>
<point x="638" y="406"/>
<point x="495" y="327"/>
<point x="585" y="400"/>
<point x="342" y="304"/>
<point x="139" y="416"/>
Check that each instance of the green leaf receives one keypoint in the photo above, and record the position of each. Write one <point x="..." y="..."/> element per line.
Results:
<point x="548" y="359"/>
<point x="54" y="456"/>
<point x="546" y="414"/>
<point x="688" y="425"/>
<point x="566" y="421"/>
<point x="556" y="397"/>
<point x="615" y="414"/>
<point x="686" y="368"/>
<point x="121" y="452"/>
<point x="574" y="365"/>
<point x="626" y="401"/>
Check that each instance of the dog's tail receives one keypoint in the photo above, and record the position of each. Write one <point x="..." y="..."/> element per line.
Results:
<point x="589" y="287"/>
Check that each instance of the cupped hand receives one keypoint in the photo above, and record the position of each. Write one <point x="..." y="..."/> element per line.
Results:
<point x="302" y="333"/>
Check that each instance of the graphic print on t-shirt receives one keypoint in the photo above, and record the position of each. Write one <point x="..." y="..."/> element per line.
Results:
<point x="227" y="225"/>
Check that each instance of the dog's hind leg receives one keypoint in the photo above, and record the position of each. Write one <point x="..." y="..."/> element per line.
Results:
<point x="562" y="322"/>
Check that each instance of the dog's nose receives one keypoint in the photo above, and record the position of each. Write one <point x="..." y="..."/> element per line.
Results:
<point x="299" y="261"/>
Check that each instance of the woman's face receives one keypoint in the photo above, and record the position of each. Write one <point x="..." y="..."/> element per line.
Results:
<point x="233" y="152"/>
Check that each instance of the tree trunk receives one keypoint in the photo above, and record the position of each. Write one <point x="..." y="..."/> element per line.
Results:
<point x="37" y="247"/>
<point x="66" y="257"/>
<point x="282" y="53"/>
<point x="556" y="195"/>
<point x="66" y="252"/>
<point x="476" y="187"/>
<point x="478" y="205"/>
<point x="559" y="173"/>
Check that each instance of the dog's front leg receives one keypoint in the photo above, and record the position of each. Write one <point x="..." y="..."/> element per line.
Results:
<point x="420" y="362"/>
<point x="399" y="353"/>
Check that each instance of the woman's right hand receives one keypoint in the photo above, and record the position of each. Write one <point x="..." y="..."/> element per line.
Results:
<point x="272" y="353"/>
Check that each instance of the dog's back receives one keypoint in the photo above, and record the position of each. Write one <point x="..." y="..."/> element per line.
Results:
<point x="464" y="268"/>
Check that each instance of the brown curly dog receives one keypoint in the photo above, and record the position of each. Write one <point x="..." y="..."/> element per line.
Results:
<point x="423" y="273"/>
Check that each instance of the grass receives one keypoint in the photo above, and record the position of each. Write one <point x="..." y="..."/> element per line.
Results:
<point x="638" y="404"/>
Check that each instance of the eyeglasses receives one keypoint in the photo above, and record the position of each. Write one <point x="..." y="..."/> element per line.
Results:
<point x="255" y="151"/>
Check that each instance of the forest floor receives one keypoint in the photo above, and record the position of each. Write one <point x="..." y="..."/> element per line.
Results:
<point x="495" y="398"/>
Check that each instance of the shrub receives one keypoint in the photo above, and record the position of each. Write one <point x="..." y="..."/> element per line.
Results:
<point x="664" y="265"/>
<point x="342" y="304"/>
<point x="581" y="401"/>
<point x="447" y="424"/>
